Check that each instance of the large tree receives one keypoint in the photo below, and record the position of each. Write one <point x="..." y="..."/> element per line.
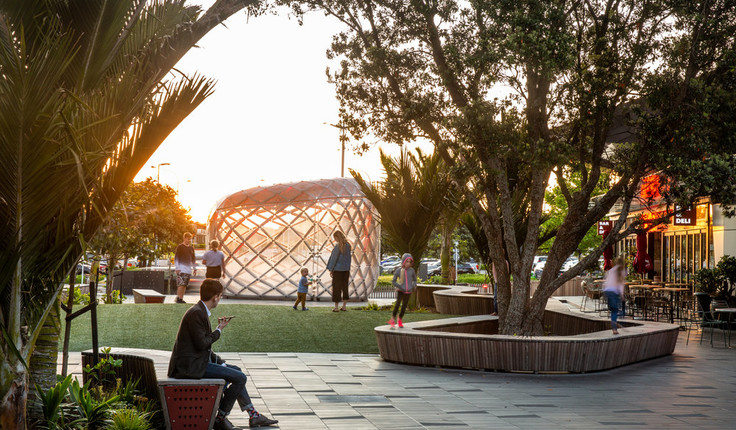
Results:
<point x="85" y="99"/>
<point x="512" y="92"/>
<point x="146" y="222"/>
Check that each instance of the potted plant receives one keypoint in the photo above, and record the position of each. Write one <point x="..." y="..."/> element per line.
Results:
<point x="707" y="282"/>
<point x="727" y="268"/>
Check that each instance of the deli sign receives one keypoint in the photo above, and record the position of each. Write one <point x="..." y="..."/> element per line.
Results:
<point x="604" y="226"/>
<point x="686" y="217"/>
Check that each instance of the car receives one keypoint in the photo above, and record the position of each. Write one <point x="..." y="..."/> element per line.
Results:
<point x="539" y="268"/>
<point x="390" y="259"/>
<point x="465" y="268"/>
<point x="390" y="266"/>
<point x="434" y="268"/>
<point x="568" y="264"/>
<point x="83" y="269"/>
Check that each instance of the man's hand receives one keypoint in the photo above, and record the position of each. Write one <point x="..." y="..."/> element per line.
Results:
<point x="223" y="322"/>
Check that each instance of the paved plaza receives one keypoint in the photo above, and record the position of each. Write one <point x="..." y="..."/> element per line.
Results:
<point x="693" y="388"/>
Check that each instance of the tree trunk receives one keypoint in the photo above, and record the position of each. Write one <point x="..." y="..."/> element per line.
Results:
<point x="445" y="253"/>
<point x="43" y="363"/>
<point x="13" y="407"/>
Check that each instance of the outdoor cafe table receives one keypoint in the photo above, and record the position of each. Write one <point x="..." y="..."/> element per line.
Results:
<point x="729" y="312"/>
<point x="645" y="287"/>
<point x="673" y="291"/>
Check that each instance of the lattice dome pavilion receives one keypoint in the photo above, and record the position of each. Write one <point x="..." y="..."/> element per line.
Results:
<point x="268" y="234"/>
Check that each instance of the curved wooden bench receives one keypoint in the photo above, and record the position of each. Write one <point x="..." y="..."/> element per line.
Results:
<point x="461" y="300"/>
<point x="579" y="344"/>
<point x="425" y="296"/>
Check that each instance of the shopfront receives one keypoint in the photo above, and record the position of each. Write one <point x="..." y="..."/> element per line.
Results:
<point x="688" y="243"/>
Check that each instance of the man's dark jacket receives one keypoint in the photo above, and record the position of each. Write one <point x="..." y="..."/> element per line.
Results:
<point x="193" y="346"/>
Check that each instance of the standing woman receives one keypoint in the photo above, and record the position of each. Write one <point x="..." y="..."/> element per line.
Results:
<point x="214" y="259"/>
<point x="339" y="267"/>
<point x="613" y="289"/>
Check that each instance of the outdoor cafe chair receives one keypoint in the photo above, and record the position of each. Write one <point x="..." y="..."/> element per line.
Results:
<point x="705" y="318"/>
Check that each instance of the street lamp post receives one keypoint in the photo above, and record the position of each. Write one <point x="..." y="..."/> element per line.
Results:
<point x="158" y="171"/>
<point x="343" y="139"/>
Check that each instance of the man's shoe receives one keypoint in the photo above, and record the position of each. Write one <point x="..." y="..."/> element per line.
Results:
<point x="261" y="421"/>
<point x="178" y="300"/>
<point x="401" y="324"/>
<point x="222" y="423"/>
<point x="294" y="307"/>
<point x="305" y="309"/>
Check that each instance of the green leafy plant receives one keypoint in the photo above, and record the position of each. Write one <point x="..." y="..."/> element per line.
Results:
<point x="727" y="268"/>
<point x="103" y="373"/>
<point x="707" y="280"/>
<point x="80" y="299"/>
<point x="51" y="402"/>
<point x="94" y="413"/>
<point x="114" y="297"/>
<point x="129" y="419"/>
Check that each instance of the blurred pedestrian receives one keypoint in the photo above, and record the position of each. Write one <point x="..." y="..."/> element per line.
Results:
<point x="339" y="267"/>
<point x="184" y="265"/>
<point x="613" y="289"/>
<point x="214" y="259"/>
<point x="404" y="281"/>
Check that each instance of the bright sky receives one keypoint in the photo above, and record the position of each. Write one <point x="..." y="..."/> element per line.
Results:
<point x="265" y="122"/>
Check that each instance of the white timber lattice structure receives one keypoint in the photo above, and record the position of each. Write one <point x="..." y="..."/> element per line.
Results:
<point x="268" y="234"/>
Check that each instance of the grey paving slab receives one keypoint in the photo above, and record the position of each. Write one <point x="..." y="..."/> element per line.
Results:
<point x="693" y="388"/>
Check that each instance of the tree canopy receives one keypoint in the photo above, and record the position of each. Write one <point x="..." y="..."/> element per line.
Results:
<point x="511" y="92"/>
<point x="147" y="222"/>
<point x="85" y="99"/>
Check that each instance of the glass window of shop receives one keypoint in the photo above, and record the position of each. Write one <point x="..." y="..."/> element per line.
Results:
<point x="686" y="250"/>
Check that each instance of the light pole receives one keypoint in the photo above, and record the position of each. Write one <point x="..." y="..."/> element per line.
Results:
<point x="343" y="139"/>
<point x="158" y="171"/>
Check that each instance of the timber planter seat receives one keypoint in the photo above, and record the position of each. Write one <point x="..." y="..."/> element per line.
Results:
<point x="579" y="343"/>
<point x="186" y="403"/>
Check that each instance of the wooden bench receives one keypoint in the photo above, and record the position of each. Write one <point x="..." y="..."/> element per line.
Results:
<point x="186" y="403"/>
<point x="147" y="296"/>
<point x="578" y="343"/>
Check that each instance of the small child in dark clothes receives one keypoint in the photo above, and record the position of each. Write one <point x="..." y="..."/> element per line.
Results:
<point x="404" y="281"/>
<point x="301" y="292"/>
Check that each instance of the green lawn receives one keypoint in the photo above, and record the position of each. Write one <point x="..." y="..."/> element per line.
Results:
<point x="255" y="328"/>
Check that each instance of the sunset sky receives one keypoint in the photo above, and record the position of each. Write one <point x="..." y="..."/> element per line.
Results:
<point x="265" y="122"/>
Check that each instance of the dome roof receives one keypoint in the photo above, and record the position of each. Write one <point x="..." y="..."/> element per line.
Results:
<point x="303" y="191"/>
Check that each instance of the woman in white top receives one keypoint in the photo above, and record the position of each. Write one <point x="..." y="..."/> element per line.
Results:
<point x="215" y="261"/>
<point x="613" y="289"/>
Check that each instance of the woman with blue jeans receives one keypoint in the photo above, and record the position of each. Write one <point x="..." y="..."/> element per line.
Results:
<point x="613" y="289"/>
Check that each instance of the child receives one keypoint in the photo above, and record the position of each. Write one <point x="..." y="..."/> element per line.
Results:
<point x="301" y="292"/>
<point x="405" y="280"/>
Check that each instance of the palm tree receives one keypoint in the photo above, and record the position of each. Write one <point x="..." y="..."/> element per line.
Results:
<point x="410" y="200"/>
<point x="85" y="99"/>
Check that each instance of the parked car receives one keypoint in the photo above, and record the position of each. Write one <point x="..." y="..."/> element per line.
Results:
<point x="390" y="259"/>
<point x="465" y="268"/>
<point x="434" y="268"/>
<point x="539" y="268"/>
<point x="568" y="264"/>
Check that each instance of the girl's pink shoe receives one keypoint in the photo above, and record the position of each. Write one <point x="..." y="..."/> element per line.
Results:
<point x="401" y="325"/>
<point x="391" y="322"/>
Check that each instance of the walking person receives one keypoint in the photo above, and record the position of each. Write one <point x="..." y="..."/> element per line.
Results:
<point x="339" y="267"/>
<point x="192" y="357"/>
<point x="301" y="292"/>
<point x="214" y="259"/>
<point x="184" y="264"/>
<point x="404" y="281"/>
<point x="613" y="289"/>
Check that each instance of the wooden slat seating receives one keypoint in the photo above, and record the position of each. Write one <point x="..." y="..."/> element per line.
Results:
<point x="461" y="300"/>
<point x="186" y="403"/>
<point x="425" y="296"/>
<point x="580" y="343"/>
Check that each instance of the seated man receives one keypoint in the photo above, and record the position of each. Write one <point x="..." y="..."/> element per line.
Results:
<point x="192" y="357"/>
